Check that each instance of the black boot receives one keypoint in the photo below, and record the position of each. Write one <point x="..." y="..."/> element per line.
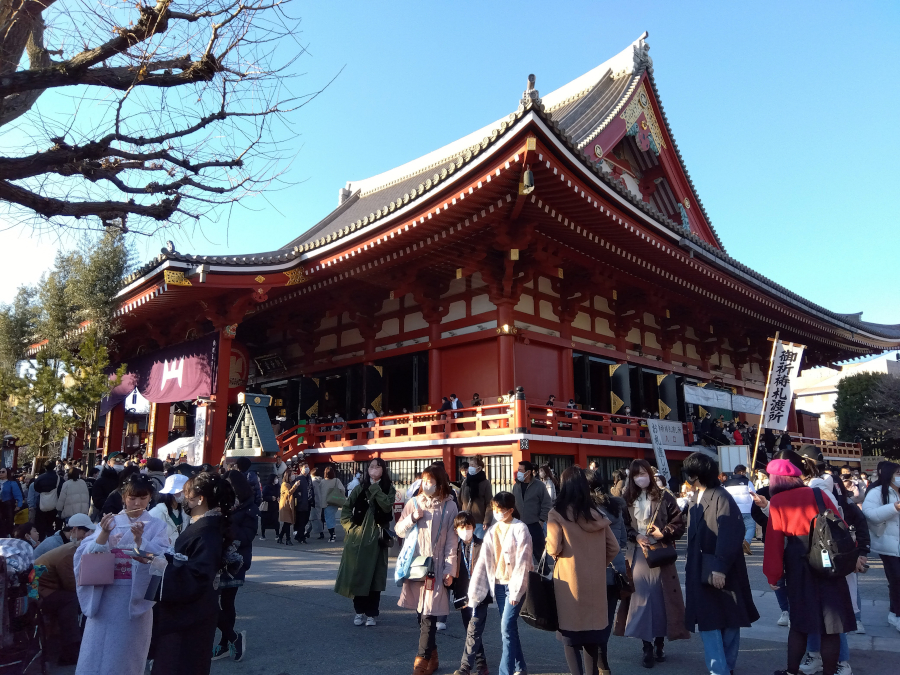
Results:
<point x="660" y="652"/>
<point x="647" y="660"/>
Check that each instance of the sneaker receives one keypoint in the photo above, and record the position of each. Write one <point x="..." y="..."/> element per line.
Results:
<point x="785" y="619"/>
<point x="262" y="538"/>
<point x="441" y="625"/>
<point x="893" y="620"/>
<point x="332" y="540"/>
<point x="843" y="668"/>
<point x="220" y="652"/>
<point x="359" y="619"/>
<point x="860" y="630"/>
<point x="811" y="663"/>
<point x="370" y="621"/>
<point x="239" y="646"/>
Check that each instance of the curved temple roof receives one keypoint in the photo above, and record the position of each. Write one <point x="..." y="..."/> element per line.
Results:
<point x="577" y="112"/>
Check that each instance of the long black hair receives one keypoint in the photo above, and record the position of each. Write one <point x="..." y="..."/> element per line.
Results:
<point x="218" y="493"/>
<point x="575" y="494"/>
<point x="384" y="483"/>
<point x="240" y="485"/>
<point x="886" y="471"/>
<point x="613" y="506"/>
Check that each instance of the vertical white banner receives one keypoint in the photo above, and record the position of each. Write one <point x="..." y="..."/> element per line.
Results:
<point x="664" y="433"/>
<point x="782" y="373"/>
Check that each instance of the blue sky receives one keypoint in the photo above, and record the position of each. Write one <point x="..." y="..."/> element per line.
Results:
<point x="785" y="113"/>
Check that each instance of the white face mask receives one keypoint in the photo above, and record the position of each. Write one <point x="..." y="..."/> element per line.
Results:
<point x="429" y="488"/>
<point x="472" y="470"/>
<point x="520" y="476"/>
<point x="465" y="535"/>
<point x="896" y="481"/>
<point x="642" y="481"/>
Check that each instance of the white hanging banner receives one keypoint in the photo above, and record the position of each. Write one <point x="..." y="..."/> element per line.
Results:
<point x="716" y="398"/>
<point x="782" y="372"/>
<point x="663" y="434"/>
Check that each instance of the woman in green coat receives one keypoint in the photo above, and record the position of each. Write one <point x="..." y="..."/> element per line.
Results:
<point x="366" y="517"/>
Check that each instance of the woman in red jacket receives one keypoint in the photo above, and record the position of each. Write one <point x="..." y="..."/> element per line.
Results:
<point x="817" y="605"/>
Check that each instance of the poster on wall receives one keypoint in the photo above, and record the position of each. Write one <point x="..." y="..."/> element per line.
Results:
<point x="663" y="434"/>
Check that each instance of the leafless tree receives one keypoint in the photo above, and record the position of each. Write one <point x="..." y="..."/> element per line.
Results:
<point x="142" y="116"/>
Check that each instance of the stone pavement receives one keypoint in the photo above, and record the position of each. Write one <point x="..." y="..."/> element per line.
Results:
<point x="297" y="625"/>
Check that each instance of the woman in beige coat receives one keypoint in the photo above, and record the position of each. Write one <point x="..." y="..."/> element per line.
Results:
<point x="432" y="512"/>
<point x="581" y="541"/>
<point x="286" y="507"/>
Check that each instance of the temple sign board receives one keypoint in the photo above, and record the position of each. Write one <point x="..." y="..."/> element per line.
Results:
<point x="663" y="434"/>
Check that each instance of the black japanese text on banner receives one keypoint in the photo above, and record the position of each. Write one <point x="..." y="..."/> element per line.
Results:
<point x="663" y="434"/>
<point x="782" y="374"/>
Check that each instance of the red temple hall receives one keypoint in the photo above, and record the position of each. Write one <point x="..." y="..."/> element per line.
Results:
<point x="562" y="250"/>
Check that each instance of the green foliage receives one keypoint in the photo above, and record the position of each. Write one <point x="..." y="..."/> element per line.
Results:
<point x="857" y="410"/>
<point x="884" y="415"/>
<point x="56" y="390"/>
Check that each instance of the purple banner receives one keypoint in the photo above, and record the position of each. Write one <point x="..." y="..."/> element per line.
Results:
<point x="178" y="373"/>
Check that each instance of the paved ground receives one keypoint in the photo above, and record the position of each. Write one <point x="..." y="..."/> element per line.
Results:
<point x="297" y="625"/>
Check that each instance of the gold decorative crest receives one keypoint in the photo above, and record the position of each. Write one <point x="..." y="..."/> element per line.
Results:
<point x="663" y="410"/>
<point x="616" y="402"/>
<point x="295" y="277"/>
<point x="639" y="105"/>
<point x="259" y="278"/>
<point x="174" y="278"/>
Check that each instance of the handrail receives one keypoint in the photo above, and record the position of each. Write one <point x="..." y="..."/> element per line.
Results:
<point x="577" y="423"/>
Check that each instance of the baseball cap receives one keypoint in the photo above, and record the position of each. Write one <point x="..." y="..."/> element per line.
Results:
<point x="81" y="520"/>
<point x="174" y="484"/>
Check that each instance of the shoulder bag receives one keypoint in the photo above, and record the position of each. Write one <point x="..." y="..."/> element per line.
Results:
<point x="335" y="497"/>
<point x="660" y="554"/>
<point x="422" y="566"/>
<point x="48" y="499"/>
<point x="539" y="604"/>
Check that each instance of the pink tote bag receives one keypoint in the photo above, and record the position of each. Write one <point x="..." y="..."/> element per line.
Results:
<point x="96" y="569"/>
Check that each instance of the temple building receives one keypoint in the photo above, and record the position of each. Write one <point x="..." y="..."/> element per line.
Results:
<point x="562" y="249"/>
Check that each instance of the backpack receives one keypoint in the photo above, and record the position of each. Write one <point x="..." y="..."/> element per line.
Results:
<point x="49" y="499"/>
<point x="832" y="548"/>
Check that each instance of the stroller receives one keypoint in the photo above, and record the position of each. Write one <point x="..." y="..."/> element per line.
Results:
<point x="21" y="627"/>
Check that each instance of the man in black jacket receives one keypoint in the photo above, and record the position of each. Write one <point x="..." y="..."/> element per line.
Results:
<point x="304" y="501"/>
<point x="103" y="486"/>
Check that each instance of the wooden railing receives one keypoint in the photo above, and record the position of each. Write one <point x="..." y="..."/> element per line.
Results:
<point x="828" y="447"/>
<point x="481" y="421"/>
<point x="574" y="423"/>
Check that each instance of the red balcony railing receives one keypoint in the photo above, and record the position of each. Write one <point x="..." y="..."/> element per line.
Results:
<point x="574" y="423"/>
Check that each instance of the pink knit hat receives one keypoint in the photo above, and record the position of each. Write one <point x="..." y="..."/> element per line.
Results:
<point x="782" y="467"/>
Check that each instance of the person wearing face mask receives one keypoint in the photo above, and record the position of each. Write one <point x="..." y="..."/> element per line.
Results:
<point x="268" y="519"/>
<point x="168" y="510"/>
<point x="533" y="504"/>
<point x="366" y="517"/>
<point x="882" y="510"/>
<point x="187" y="594"/>
<point x="286" y="513"/>
<point x="656" y="608"/>
<point x="475" y="496"/>
<point x="430" y="515"/>
<point x="545" y="473"/>
<point x="119" y="622"/>
<point x="57" y="589"/>
<point x="473" y="617"/>
<point x="503" y="566"/>
<point x="27" y="532"/>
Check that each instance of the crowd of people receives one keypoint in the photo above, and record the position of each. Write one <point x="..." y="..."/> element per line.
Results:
<point x="173" y="536"/>
<point x="152" y="557"/>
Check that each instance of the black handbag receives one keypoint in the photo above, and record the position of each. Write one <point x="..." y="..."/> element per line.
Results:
<point x="617" y="580"/>
<point x="660" y="554"/>
<point x="539" y="604"/>
<point x="385" y="539"/>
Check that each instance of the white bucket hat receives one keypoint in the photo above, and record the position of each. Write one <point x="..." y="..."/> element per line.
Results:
<point x="174" y="484"/>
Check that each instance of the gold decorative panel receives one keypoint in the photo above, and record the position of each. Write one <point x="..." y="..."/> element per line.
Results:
<point x="616" y="402"/>
<point x="295" y="277"/>
<point x="174" y="278"/>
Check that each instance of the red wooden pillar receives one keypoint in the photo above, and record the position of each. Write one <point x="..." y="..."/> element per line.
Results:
<point x="159" y="426"/>
<point x="115" y="426"/>
<point x="567" y="376"/>
<point x="449" y="457"/>
<point x="506" y="346"/>
<point x="435" y="378"/>
<point x="217" y="415"/>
